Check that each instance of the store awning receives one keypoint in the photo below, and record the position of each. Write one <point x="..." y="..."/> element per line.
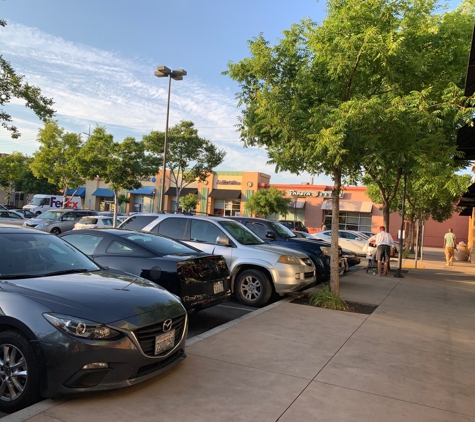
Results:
<point x="76" y="191"/>
<point x="297" y="204"/>
<point x="225" y="194"/>
<point x="185" y="191"/>
<point x="103" y="192"/>
<point x="350" y="206"/>
<point x="144" y="190"/>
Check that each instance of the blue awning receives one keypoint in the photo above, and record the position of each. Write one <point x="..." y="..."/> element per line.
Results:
<point x="144" y="190"/>
<point x="103" y="192"/>
<point x="76" y="191"/>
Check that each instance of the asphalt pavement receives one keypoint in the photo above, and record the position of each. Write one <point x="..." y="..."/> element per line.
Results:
<point x="410" y="360"/>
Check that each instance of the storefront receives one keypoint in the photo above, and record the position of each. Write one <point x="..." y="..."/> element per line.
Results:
<point x="142" y="199"/>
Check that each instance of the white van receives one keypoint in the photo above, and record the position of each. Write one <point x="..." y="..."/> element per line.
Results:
<point x="41" y="203"/>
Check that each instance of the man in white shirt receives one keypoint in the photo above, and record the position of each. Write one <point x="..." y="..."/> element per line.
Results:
<point x="384" y="241"/>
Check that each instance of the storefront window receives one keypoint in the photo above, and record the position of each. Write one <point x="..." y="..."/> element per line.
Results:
<point x="225" y="207"/>
<point x="143" y="203"/>
<point x="350" y="220"/>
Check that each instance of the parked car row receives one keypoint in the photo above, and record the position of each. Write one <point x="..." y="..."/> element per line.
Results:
<point x="76" y="304"/>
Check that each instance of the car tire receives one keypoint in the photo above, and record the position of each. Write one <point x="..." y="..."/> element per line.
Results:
<point x="19" y="372"/>
<point x="38" y="212"/>
<point x="55" y="231"/>
<point x="253" y="288"/>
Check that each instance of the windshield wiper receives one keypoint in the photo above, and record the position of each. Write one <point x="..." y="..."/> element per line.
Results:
<point x="18" y="276"/>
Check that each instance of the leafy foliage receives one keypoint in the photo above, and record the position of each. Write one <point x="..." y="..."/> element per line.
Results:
<point x="268" y="201"/>
<point x="121" y="164"/>
<point x="11" y="168"/>
<point x="325" y="298"/>
<point x="13" y="86"/>
<point x="372" y="90"/>
<point x="188" y="202"/>
<point x="189" y="157"/>
<point x="57" y="158"/>
<point x="28" y="183"/>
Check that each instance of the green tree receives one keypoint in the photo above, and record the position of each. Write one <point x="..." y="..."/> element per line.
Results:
<point x="337" y="98"/>
<point x="57" y="157"/>
<point x="11" y="168"/>
<point x="268" y="201"/>
<point x="188" y="202"/>
<point x="28" y="183"/>
<point x="120" y="164"/>
<point x="13" y="86"/>
<point x="189" y="157"/>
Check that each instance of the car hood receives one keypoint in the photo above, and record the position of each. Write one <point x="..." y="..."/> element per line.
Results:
<point x="100" y="296"/>
<point x="40" y="220"/>
<point x="280" y="250"/>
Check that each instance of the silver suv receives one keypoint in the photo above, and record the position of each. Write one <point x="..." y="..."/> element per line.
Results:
<point x="257" y="269"/>
<point x="58" y="221"/>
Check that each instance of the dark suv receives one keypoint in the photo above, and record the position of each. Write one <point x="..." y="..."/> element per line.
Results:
<point x="276" y="233"/>
<point x="294" y="225"/>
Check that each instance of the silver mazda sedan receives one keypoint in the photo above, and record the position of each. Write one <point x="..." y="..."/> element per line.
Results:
<point x="68" y="326"/>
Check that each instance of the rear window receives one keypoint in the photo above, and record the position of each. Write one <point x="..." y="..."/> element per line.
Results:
<point x="88" y="220"/>
<point x="138" y="222"/>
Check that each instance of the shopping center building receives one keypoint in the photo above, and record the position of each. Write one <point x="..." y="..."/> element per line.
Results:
<point x="225" y="193"/>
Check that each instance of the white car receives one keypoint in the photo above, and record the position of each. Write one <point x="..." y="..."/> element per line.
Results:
<point x="95" y="222"/>
<point x="348" y="239"/>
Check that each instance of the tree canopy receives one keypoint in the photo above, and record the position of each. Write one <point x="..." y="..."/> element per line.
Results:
<point x="57" y="158"/>
<point x="372" y="89"/>
<point x="11" y="169"/>
<point x="268" y="201"/>
<point x="12" y="86"/>
<point x="121" y="164"/>
<point x="189" y="157"/>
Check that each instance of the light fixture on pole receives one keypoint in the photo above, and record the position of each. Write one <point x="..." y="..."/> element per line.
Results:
<point x="165" y="72"/>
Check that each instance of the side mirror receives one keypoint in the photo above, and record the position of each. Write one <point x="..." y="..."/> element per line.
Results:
<point x="222" y="241"/>
<point x="271" y="235"/>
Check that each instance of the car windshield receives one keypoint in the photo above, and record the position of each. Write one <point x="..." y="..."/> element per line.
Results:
<point x="36" y="201"/>
<point x="241" y="234"/>
<point x="37" y="254"/>
<point x="161" y="245"/>
<point x="51" y="215"/>
<point x="282" y="230"/>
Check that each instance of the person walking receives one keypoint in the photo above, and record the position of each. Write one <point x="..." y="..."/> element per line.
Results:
<point x="449" y="247"/>
<point x="383" y="241"/>
<point x="324" y="227"/>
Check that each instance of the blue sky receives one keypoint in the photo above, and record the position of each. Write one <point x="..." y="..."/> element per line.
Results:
<point x="97" y="58"/>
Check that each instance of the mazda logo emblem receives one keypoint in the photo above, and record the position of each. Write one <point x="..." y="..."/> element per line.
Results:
<point x="167" y="325"/>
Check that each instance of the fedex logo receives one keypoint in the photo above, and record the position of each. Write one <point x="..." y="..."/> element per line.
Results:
<point x="57" y="203"/>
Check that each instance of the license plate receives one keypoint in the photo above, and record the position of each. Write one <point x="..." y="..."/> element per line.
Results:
<point x="218" y="287"/>
<point x="164" y="342"/>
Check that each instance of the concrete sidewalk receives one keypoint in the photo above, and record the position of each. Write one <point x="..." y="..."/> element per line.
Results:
<point x="411" y="360"/>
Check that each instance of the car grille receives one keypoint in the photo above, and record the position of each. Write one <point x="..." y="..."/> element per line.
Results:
<point x="309" y="274"/>
<point x="146" y="335"/>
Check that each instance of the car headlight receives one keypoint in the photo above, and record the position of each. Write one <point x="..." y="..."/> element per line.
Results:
<point x="81" y="327"/>
<point x="326" y="250"/>
<point x="289" y="259"/>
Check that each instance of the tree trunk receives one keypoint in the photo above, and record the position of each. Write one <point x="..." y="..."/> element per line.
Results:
<point x="335" y="259"/>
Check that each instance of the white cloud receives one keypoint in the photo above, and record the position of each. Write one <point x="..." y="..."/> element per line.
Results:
<point x="90" y="86"/>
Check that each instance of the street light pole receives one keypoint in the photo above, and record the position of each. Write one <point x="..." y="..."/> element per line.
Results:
<point x="162" y="72"/>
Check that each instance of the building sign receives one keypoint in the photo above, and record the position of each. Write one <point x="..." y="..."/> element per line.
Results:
<point x="306" y="194"/>
<point x="228" y="182"/>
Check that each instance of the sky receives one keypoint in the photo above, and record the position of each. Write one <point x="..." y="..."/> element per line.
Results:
<point x="96" y="60"/>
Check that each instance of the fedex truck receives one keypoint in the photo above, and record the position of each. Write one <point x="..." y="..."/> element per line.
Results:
<point x="41" y="203"/>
